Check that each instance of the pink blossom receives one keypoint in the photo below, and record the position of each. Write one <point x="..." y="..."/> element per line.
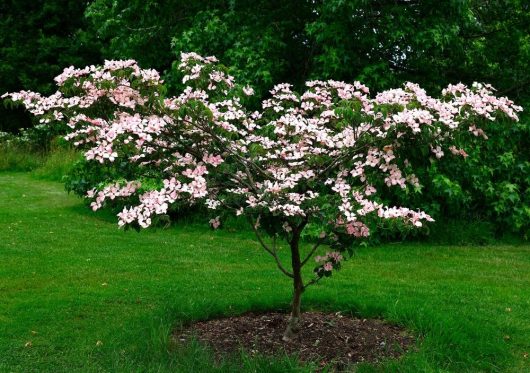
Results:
<point x="438" y="152"/>
<point x="215" y="222"/>
<point x="248" y="91"/>
<point x="357" y="229"/>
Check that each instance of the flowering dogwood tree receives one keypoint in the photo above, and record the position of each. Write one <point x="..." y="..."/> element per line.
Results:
<point x="316" y="158"/>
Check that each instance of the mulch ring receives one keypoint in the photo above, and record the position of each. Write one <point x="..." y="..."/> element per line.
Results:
<point x="327" y="338"/>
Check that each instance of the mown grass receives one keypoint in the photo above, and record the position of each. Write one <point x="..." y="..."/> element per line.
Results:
<point x="69" y="278"/>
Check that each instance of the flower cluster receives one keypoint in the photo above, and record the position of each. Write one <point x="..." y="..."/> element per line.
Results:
<point x="328" y="262"/>
<point x="215" y="222"/>
<point x="111" y="192"/>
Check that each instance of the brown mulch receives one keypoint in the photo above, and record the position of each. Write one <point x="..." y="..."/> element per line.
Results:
<point x="328" y="338"/>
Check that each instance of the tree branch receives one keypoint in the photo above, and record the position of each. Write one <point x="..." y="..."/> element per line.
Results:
<point x="515" y="87"/>
<point x="312" y="282"/>
<point x="245" y="162"/>
<point x="315" y="247"/>
<point x="271" y="252"/>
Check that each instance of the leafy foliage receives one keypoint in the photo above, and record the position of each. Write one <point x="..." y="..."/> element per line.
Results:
<point x="381" y="43"/>
<point x="37" y="40"/>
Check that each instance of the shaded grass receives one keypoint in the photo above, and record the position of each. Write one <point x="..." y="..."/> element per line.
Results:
<point x="69" y="278"/>
<point x="19" y="158"/>
<point x="47" y="165"/>
<point x="58" y="163"/>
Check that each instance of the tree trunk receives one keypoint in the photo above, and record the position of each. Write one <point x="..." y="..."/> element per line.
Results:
<point x="293" y="325"/>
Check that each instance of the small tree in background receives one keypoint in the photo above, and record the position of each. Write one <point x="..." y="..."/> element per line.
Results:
<point x="315" y="159"/>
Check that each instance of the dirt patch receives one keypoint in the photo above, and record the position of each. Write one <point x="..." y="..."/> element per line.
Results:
<point x="329" y="339"/>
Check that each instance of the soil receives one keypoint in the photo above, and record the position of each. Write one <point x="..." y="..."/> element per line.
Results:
<point x="331" y="339"/>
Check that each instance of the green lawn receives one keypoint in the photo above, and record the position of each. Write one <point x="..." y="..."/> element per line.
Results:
<point x="69" y="278"/>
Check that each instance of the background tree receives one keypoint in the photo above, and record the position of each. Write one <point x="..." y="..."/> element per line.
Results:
<point x="37" y="40"/>
<point x="141" y="29"/>
<point x="380" y="42"/>
<point x="262" y="42"/>
<point x="387" y="42"/>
